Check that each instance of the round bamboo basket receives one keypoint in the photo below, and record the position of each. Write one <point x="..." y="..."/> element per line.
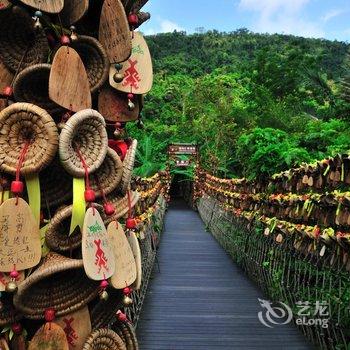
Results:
<point x="94" y="58"/>
<point x="104" y="339"/>
<point x="20" y="45"/>
<point x="57" y="235"/>
<point x="108" y="176"/>
<point x="55" y="185"/>
<point x="86" y="131"/>
<point x="126" y="332"/>
<point x="128" y="165"/>
<point x="58" y="283"/>
<point x="21" y="123"/>
<point x="32" y="85"/>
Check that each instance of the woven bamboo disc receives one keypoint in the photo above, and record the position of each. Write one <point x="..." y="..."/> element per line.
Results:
<point x="8" y="314"/>
<point x="57" y="235"/>
<point x="58" y="282"/>
<point x="55" y="185"/>
<point x="102" y="313"/>
<point x="126" y="331"/>
<point x="21" y="123"/>
<point x="108" y="176"/>
<point x="86" y="131"/>
<point x="94" y="58"/>
<point x="120" y="204"/>
<point x="104" y="339"/>
<point x="32" y="85"/>
<point x="128" y="165"/>
<point x="20" y="45"/>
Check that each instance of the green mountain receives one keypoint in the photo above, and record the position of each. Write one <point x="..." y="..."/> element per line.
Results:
<point x="255" y="103"/>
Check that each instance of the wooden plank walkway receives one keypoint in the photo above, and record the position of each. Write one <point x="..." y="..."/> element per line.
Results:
<point x="201" y="299"/>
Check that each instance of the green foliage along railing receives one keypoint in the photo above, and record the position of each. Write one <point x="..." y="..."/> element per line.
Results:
<point x="291" y="234"/>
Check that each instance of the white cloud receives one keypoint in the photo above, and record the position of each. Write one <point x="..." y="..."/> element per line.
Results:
<point x="332" y="14"/>
<point x="167" y="26"/>
<point x="281" y="16"/>
<point x="162" y="26"/>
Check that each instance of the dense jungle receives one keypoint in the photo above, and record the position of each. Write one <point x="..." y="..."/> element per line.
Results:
<point x="256" y="104"/>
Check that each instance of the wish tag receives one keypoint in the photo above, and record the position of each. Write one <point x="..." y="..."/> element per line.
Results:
<point x="5" y="279"/>
<point x="113" y="105"/>
<point x="74" y="10"/>
<point x="135" y="247"/>
<point x="137" y="70"/>
<point x="50" y="336"/>
<point x="98" y="257"/>
<point x="20" y="245"/>
<point x="114" y="32"/>
<point x="50" y="6"/>
<point x="77" y="327"/>
<point x="69" y="85"/>
<point x="125" y="267"/>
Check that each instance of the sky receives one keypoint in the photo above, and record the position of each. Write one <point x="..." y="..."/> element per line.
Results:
<point x="328" y="19"/>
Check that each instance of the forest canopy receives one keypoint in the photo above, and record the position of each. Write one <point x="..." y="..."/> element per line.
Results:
<point x="256" y="104"/>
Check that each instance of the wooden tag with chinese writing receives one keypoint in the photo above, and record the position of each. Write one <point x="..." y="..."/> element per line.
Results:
<point x="5" y="278"/>
<point x="20" y="244"/>
<point x="4" y="4"/>
<point x="114" y="31"/>
<point x="77" y="327"/>
<point x="50" y="6"/>
<point x="98" y="257"/>
<point x="125" y="267"/>
<point x="137" y="70"/>
<point x="113" y="105"/>
<point x="135" y="247"/>
<point x="50" y="336"/>
<point x="74" y="10"/>
<point x="68" y="83"/>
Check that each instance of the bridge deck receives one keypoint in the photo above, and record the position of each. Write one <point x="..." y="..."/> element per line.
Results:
<point x="201" y="299"/>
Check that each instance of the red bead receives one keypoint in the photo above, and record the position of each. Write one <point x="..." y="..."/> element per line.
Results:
<point x="127" y="290"/>
<point x="118" y="125"/>
<point x="130" y="223"/>
<point x="119" y="146"/>
<point x="7" y="91"/>
<point x="65" y="40"/>
<point x="14" y="274"/>
<point x="104" y="284"/>
<point x="50" y="314"/>
<point x="133" y="19"/>
<point x="17" y="187"/>
<point x="16" y="328"/>
<point x="130" y="96"/>
<point x="121" y="316"/>
<point x="109" y="208"/>
<point x="89" y="195"/>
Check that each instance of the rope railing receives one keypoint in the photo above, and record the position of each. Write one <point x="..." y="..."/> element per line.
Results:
<point x="291" y="235"/>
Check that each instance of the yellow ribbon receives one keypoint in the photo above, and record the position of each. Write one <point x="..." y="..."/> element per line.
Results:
<point x="79" y="206"/>
<point x="33" y="189"/>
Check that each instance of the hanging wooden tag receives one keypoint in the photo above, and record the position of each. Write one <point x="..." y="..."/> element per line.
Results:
<point x="68" y="83"/>
<point x="73" y="11"/>
<point x="50" y="6"/>
<point x="114" y="31"/>
<point x="77" y="327"/>
<point x="50" y="336"/>
<point x="5" y="278"/>
<point x="113" y="105"/>
<point x="125" y="266"/>
<point x="135" y="247"/>
<point x="98" y="257"/>
<point x="19" y="236"/>
<point x="137" y="70"/>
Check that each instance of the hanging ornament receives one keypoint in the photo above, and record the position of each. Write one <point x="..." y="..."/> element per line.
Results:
<point x="135" y="247"/>
<point x="133" y="22"/>
<point x="131" y="104"/>
<point x="73" y="33"/>
<point x="118" y="77"/>
<point x="37" y="24"/>
<point x="50" y="336"/>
